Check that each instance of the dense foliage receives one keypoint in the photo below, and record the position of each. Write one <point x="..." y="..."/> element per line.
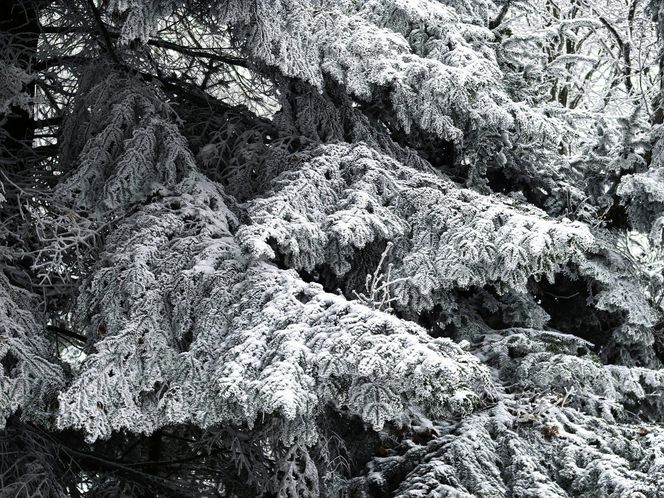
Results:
<point x="302" y="248"/>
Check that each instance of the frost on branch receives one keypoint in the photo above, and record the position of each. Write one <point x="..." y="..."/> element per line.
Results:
<point x="345" y="198"/>
<point x="12" y="83"/>
<point x="184" y="331"/>
<point x="551" y="362"/>
<point x="644" y="192"/>
<point x="566" y="426"/>
<point x="201" y="341"/>
<point x="359" y="359"/>
<point x="219" y="324"/>
<point x="564" y="453"/>
<point x="432" y="67"/>
<point x="627" y="284"/>
<point x="30" y="376"/>
<point x="137" y="308"/>
<point x="130" y="147"/>
<point x="140" y="17"/>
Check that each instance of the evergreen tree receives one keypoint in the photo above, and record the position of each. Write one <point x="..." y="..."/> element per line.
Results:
<point x="302" y="248"/>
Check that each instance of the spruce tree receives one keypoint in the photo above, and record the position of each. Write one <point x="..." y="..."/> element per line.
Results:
<point x="303" y="248"/>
